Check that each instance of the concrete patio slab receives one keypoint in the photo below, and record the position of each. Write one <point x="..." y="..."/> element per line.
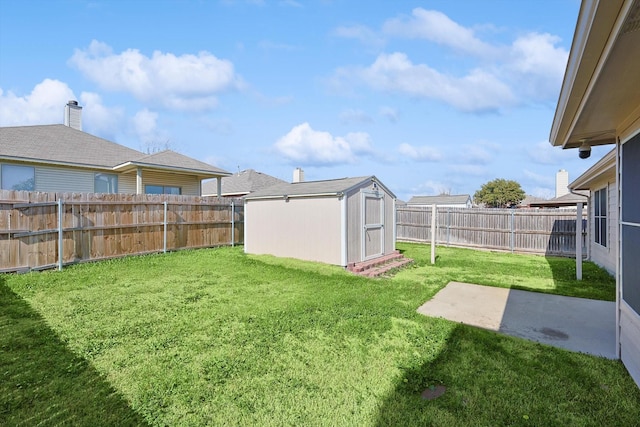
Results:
<point x="576" y="324"/>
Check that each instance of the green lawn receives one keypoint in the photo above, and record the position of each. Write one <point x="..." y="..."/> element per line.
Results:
<point x="215" y="337"/>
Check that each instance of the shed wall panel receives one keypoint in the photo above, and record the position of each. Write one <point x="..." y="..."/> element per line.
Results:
<point x="303" y="228"/>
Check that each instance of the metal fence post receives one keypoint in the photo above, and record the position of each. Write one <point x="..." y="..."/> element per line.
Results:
<point x="164" y="225"/>
<point x="60" y="240"/>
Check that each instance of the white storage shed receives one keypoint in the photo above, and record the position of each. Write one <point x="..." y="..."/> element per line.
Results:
<point x="339" y="221"/>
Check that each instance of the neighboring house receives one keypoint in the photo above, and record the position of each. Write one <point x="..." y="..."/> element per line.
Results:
<point x="340" y="221"/>
<point x="240" y="184"/>
<point x="442" y="201"/>
<point x="62" y="158"/>
<point x="529" y="200"/>
<point x="599" y="104"/>
<point x="600" y="181"/>
<point x="567" y="201"/>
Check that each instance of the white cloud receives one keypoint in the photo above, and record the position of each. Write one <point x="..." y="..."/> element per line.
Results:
<point x="546" y="154"/>
<point x="489" y="77"/>
<point x="363" y="34"/>
<point x="474" y="170"/>
<point x="437" y="27"/>
<point x="306" y="146"/>
<point x="477" y="91"/>
<point x="145" y="128"/>
<point x="420" y="154"/>
<point x="546" y="180"/>
<point x="390" y="113"/>
<point x="99" y="119"/>
<point x="354" y="116"/>
<point x="432" y="188"/>
<point x="186" y="82"/>
<point x="44" y="105"/>
<point x="538" y="64"/>
<point x="475" y="154"/>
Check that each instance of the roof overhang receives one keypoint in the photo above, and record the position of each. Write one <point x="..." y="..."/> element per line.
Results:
<point x="605" y="168"/>
<point x="200" y="173"/>
<point x="600" y="95"/>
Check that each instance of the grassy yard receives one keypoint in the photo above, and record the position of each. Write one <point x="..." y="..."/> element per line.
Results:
<point x="216" y="337"/>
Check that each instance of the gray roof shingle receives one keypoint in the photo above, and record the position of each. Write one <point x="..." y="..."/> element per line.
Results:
<point x="60" y="144"/>
<point x="331" y="186"/>
<point x="244" y="182"/>
<point x="459" y="199"/>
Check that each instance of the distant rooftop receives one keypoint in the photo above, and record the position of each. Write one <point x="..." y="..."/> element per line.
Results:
<point x="241" y="183"/>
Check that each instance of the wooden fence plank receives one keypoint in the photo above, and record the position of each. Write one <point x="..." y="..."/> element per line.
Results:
<point x="540" y="231"/>
<point x="102" y="226"/>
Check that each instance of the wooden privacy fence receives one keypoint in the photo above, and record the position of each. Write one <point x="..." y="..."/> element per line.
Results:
<point x="46" y="230"/>
<point x="539" y="231"/>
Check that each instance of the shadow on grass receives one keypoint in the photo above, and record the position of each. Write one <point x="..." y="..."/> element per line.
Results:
<point x="44" y="383"/>
<point x="596" y="282"/>
<point x="495" y="380"/>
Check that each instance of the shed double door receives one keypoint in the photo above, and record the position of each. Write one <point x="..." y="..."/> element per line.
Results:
<point x="373" y="224"/>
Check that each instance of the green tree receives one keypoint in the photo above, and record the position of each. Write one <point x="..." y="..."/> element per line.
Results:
<point x="499" y="193"/>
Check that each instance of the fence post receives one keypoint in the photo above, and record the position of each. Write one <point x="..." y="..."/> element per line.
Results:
<point x="60" y="241"/>
<point x="233" y="224"/>
<point x="448" y="226"/>
<point x="513" y="230"/>
<point x="164" y="225"/>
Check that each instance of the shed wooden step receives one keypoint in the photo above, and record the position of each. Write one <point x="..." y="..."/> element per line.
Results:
<point x="379" y="266"/>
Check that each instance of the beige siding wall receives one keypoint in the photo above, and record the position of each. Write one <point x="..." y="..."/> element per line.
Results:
<point x="630" y="340"/>
<point x="303" y="228"/>
<point x="51" y="179"/>
<point x="78" y="180"/>
<point x="605" y="256"/>
<point x="190" y="184"/>
<point x="127" y="183"/>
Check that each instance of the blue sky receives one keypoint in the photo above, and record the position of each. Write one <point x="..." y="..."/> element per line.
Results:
<point x="430" y="96"/>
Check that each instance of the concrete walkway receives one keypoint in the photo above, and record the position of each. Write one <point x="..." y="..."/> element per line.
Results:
<point x="577" y="324"/>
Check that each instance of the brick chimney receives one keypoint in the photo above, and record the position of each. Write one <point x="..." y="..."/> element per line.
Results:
<point x="73" y="115"/>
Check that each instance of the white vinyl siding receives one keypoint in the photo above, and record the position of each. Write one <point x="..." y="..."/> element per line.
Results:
<point x="61" y="180"/>
<point x="189" y="184"/>
<point x="127" y="183"/>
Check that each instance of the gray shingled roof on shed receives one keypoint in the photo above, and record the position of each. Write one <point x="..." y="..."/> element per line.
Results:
<point x="244" y="182"/>
<point x="459" y="199"/>
<point x="63" y="145"/>
<point x="326" y="187"/>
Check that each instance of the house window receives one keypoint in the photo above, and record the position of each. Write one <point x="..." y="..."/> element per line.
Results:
<point x="16" y="177"/>
<point x="105" y="183"/>
<point x="162" y="189"/>
<point x="600" y="216"/>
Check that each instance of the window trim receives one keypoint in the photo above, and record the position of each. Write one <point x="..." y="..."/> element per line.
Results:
<point x="3" y="167"/>
<point x="164" y="189"/>
<point x="600" y="223"/>
<point x="108" y="175"/>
